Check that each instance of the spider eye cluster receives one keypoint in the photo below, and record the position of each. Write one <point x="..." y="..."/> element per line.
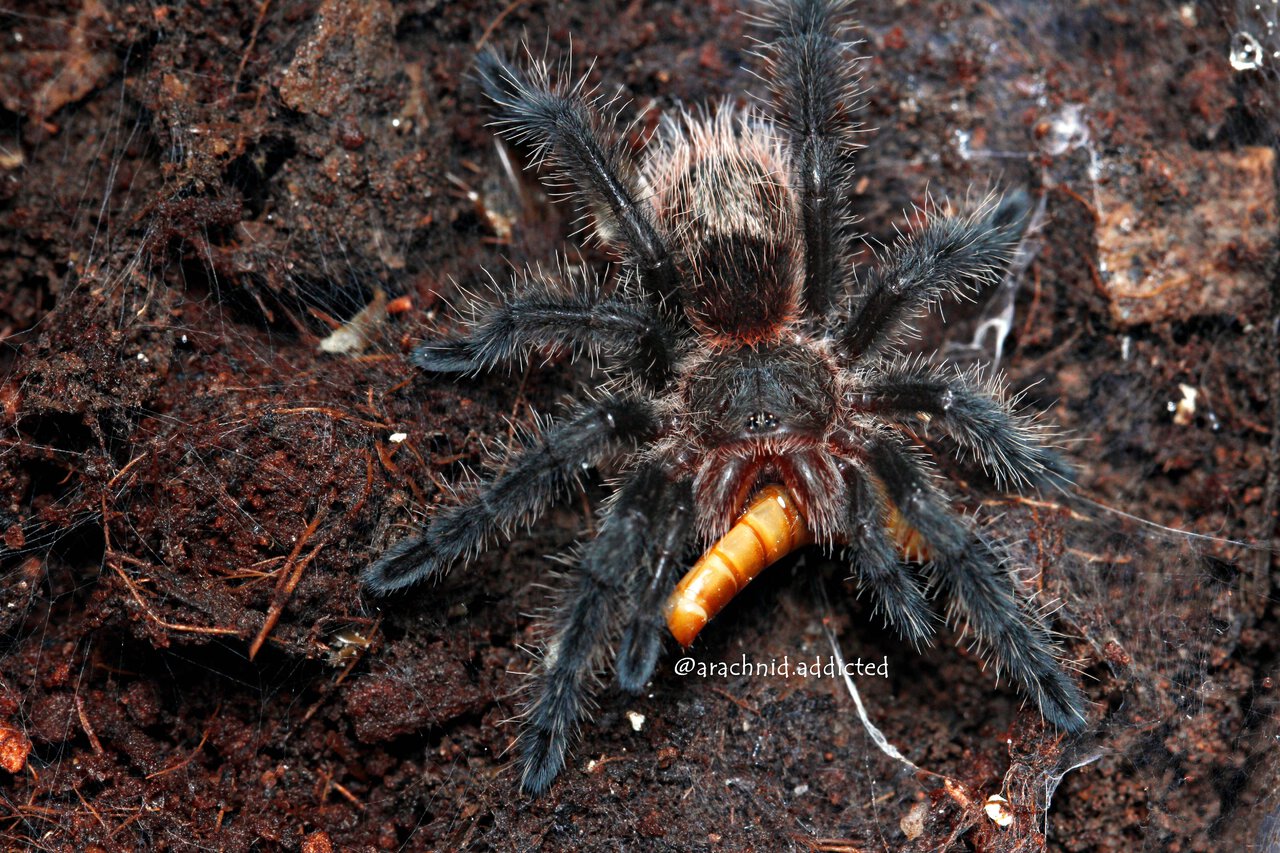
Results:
<point x="761" y="422"/>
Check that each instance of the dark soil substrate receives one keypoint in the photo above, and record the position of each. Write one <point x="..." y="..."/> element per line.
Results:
<point x="193" y="196"/>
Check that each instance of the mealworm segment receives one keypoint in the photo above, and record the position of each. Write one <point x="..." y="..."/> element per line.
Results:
<point x="772" y="526"/>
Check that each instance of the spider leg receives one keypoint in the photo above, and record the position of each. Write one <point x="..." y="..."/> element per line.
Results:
<point x="563" y="128"/>
<point x="976" y="582"/>
<point x="642" y="639"/>
<point x="815" y="480"/>
<point x="543" y="470"/>
<point x="563" y="687"/>
<point x="978" y="587"/>
<point x="898" y="594"/>
<point x="909" y="486"/>
<point x="542" y="313"/>
<point x="814" y="83"/>
<point x="973" y="413"/>
<point x="947" y="255"/>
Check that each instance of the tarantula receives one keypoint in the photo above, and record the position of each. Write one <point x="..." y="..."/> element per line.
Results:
<point x="740" y="351"/>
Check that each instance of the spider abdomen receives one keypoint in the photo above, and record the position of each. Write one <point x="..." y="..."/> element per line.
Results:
<point x="722" y="186"/>
<point x="742" y="287"/>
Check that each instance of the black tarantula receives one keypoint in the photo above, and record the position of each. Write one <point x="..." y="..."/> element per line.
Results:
<point x="741" y="351"/>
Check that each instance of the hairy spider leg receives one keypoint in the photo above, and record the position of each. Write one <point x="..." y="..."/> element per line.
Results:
<point x="815" y="85"/>
<point x="544" y="470"/>
<point x="979" y="591"/>
<point x="909" y="486"/>
<point x="642" y="638"/>
<point x="898" y="595"/>
<point x="540" y="313"/>
<point x="948" y="255"/>
<point x="564" y="129"/>
<point x="591" y="611"/>
<point x="1007" y="445"/>
<point x="976" y="583"/>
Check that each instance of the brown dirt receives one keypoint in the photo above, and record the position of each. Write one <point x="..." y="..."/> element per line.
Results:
<point x="193" y="195"/>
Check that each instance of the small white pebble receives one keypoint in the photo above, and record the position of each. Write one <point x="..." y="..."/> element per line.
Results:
<point x="1246" y="52"/>
<point x="397" y="437"/>
<point x="801" y="790"/>
<point x="637" y="720"/>
<point x="343" y="340"/>
<point x="1185" y="409"/>
<point x="1068" y="129"/>
<point x="997" y="808"/>
<point x="912" y="823"/>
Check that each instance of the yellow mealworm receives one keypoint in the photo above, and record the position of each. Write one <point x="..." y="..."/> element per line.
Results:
<point x="771" y="527"/>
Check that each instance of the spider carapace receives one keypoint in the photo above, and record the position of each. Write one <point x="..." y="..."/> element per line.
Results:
<point x="742" y="362"/>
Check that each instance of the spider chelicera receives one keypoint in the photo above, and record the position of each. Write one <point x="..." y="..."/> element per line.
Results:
<point x="739" y="350"/>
